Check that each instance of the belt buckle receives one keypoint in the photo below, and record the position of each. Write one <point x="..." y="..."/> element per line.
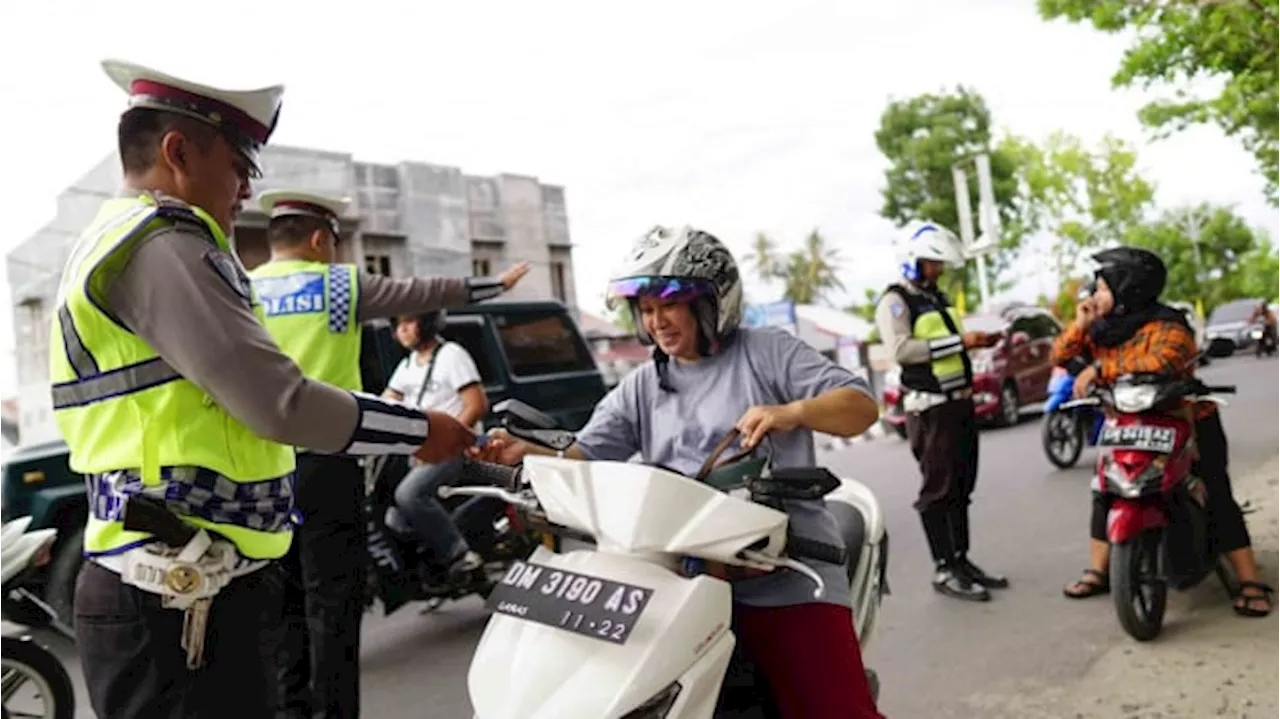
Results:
<point x="183" y="579"/>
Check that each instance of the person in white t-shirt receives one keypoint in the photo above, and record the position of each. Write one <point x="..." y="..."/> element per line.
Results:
<point x="441" y="376"/>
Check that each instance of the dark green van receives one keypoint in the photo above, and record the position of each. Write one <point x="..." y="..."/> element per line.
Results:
<point x="531" y="351"/>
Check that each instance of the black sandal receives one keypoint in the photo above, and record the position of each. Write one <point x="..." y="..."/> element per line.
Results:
<point x="1244" y="601"/>
<point x="1091" y="589"/>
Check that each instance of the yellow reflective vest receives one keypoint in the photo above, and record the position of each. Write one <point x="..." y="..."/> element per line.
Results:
<point x="135" y="426"/>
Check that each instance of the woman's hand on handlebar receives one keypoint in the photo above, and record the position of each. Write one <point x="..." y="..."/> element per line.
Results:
<point x="1084" y="382"/>
<point x="760" y="420"/>
<point x="500" y="448"/>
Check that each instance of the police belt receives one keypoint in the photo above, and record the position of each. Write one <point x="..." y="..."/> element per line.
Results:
<point x="181" y="576"/>
<point x="930" y="400"/>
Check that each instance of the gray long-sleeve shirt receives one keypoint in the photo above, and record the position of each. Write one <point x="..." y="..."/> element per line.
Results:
<point x="190" y="301"/>
<point x="385" y="297"/>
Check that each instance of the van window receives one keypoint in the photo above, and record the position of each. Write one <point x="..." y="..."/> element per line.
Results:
<point x="542" y="343"/>
<point x="470" y="335"/>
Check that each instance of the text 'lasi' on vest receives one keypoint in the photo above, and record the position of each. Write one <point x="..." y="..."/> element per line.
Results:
<point x="310" y="310"/>
<point x="135" y="425"/>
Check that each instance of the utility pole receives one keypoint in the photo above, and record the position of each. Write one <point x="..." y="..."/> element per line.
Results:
<point x="988" y="217"/>
<point x="1193" y="224"/>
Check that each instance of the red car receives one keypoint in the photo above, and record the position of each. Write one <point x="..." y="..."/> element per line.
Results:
<point x="1007" y="378"/>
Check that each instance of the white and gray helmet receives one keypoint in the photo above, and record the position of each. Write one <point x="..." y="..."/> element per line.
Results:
<point x="682" y="264"/>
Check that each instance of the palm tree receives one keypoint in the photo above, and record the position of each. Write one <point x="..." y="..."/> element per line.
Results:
<point x="764" y="257"/>
<point x="811" y="272"/>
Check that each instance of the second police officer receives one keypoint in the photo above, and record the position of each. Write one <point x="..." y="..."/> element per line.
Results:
<point x="315" y="308"/>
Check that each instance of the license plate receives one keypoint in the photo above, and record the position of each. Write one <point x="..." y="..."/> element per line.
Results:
<point x="593" y="607"/>
<point x="1137" y="436"/>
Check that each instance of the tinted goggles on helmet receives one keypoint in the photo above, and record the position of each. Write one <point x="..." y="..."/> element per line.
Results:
<point x="668" y="289"/>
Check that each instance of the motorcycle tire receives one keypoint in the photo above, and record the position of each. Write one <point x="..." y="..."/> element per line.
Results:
<point x="1135" y="564"/>
<point x="39" y="665"/>
<point x="1055" y="427"/>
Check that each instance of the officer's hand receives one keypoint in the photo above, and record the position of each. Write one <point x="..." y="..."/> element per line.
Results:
<point x="512" y="274"/>
<point x="975" y="339"/>
<point x="447" y="438"/>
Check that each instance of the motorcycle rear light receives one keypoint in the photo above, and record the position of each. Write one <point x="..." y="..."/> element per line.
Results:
<point x="45" y="554"/>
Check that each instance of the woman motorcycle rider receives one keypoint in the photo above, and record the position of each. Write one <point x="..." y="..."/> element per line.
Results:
<point x="709" y="377"/>
<point x="1123" y="329"/>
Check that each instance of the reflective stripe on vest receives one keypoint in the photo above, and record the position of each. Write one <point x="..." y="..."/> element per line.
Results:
<point x="950" y="370"/>
<point x="309" y="308"/>
<point x="134" y="425"/>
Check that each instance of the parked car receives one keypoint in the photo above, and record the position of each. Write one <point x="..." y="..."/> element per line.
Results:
<point x="531" y="351"/>
<point x="1007" y="378"/>
<point x="1231" y="321"/>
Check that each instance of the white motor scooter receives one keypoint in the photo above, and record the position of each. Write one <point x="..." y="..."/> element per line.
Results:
<point x="620" y="631"/>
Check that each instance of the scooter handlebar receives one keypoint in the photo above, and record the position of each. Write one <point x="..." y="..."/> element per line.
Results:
<point x="490" y="473"/>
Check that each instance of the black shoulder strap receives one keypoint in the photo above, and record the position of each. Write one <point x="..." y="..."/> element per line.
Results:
<point x="426" y="379"/>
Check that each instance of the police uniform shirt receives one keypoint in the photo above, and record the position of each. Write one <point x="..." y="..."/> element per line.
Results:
<point x="191" y="302"/>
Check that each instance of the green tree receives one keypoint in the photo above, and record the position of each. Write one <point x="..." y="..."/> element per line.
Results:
<point x="1086" y="198"/>
<point x="923" y="137"/>
<point x="1212" y="254"/>
<point x="764" y="257"/>
<point x="866" y="309"/>
<point x="810" y="273"/>
<point x="1179" y="42"/>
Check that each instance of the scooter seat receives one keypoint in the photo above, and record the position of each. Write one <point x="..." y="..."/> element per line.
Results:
<point x="853" y="529"/>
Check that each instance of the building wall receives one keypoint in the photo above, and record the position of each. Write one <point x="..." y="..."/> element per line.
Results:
<point x="406" y="219"/>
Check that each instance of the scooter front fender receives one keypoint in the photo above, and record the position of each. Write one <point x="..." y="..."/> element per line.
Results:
<point x="1129" y="518"/>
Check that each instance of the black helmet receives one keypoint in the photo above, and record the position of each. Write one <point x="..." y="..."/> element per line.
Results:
<point x="1135" y="276"/>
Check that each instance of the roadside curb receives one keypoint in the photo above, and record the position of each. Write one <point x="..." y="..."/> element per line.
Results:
<point x="1209" y="663"/>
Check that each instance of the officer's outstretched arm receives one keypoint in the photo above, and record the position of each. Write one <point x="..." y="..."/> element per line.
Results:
<point x="894" y="322"/>
<point x="385" y="297"/>
<point x="190" y="302"/>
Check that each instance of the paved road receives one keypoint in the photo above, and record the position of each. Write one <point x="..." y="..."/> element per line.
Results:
<point x="1030" y="522"/>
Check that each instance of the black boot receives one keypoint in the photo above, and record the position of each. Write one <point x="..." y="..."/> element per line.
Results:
<point x="959" y="520"/>
<point x="947" y="579"/>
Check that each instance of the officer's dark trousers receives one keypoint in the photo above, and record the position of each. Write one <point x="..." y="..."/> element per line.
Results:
<point x="324" y="596"/>
<point x="134" y="665"/>
<point x="944" y="440"/>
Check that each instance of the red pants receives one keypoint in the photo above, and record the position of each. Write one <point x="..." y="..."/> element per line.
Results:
<point x="810" y="656"/>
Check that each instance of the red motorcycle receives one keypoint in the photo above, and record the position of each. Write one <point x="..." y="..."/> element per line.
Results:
<point x="1157" y="526"/>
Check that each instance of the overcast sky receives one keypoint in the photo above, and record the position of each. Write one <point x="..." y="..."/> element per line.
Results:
<point x="737" y="116"/>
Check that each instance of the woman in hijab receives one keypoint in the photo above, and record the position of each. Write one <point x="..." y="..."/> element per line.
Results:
<point x="1124" y="329"/>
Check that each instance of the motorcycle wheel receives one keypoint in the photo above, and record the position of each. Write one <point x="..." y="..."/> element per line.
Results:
<point x="1140" y="594"/>
<point x="27" y="662"/>
<point x="1062" y="436"/>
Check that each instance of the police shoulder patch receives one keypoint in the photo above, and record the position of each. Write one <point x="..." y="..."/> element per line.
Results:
<point x="897" y="309"/>
<point x="231" y="271"/>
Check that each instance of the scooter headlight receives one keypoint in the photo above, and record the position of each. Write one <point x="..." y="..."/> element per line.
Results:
<point x="1132" y="399"/>
<point x="658" y="705"/>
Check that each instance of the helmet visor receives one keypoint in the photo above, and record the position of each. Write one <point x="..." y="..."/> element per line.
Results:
<point x="669" y="289"/>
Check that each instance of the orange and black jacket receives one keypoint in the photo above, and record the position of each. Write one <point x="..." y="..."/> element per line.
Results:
<point x="1160" y="347"/>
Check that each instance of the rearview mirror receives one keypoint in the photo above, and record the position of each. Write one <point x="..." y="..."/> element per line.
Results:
<point x="515" y="412"/>
<point x="1221" y="347"/>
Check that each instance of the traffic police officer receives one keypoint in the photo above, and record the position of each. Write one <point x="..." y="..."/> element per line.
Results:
<point x="171" y="394"/>
<point x="925" y="333"/>
<point x="314" y="308"/>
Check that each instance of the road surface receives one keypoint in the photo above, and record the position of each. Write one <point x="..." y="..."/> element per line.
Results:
<point x="932" y="653"/>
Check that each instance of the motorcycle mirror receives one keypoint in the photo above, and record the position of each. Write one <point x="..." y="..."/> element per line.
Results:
<point x="513" y="411"/>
